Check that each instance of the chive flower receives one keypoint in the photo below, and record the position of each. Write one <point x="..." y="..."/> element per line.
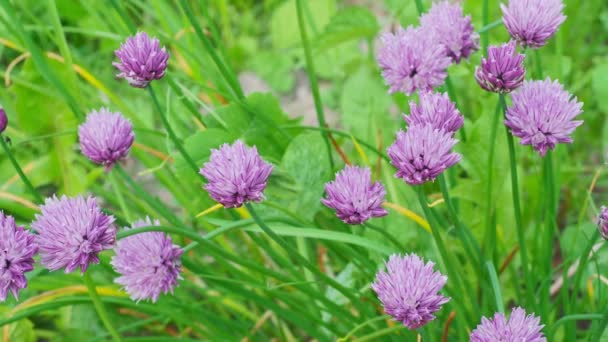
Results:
<point x="436" y="109"/>
<point x="519" y="327"/>
<point x="446" y="24"/>
<point x="422" y="153"/>
<point x="532" y="22"/>
<point x="148" y="263"/>
<point x="409" y="290"/>
<point x="411" y="61"/>
<point x="354" y="197"/>
<point x="105" y="137"/>
<point x="17" y="249"/>
<point x="71" y="232"/>
<point x="3" y="120"/>
<point x="236" y="174"/>
<point x="502" y="71"/>
<point x="542" y="115"/>
<point x="602" y="222"/>
<point x="142" y="60"/>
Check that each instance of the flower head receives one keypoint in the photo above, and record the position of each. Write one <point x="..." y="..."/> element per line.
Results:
<point x="518" y="328"/>
<point x="354" y="197"/>
<point x="149" y="263"/>
<point x="71" y="232"/>
<point x="503" y="70"/>
<point x="105" y="137"/>
<point x="409" y="290"/>
<point x="602" y="222"/>
<point x="411" y="61"/>
<point x="236" y="174"/>
<point x="422" y="153"/>
<point x="17" y="249"/>
<point x="435" y="109"/>
<point x="3" y="120"/>
<point x="447" y="25"/>
<point x="142" y="60"/>
<point x="532" y="22"/>
<point x="542" y="114"/>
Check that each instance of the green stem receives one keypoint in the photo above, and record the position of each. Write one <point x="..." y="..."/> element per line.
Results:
<point x="294" y="254"/>
<point x="119" y="196"/>
<point x="171" y="133"/>
<point x="521" y="237"/>
<point x="489" y="27"/>
<point x="469" y="246"/>
<point x="312" y="76"/>
<point x="549" y="226"/>
<point x="387" y="235"/>
<point x="452" y="94"/>
<point x="490" y="239"/>
<point x="101" y="311"/>
<point x="22" y="175"/>
<point x="227" y="74"/>
<point x="419" y="7"/>
<point x="539" y="64"/>
<point x="485" y="17"/>
<point x="495" y="286"/>
<point x="447" y="259"/>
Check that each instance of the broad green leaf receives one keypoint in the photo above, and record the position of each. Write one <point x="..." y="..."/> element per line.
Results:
<point x="348" y="24"/>
<point x="276" y="68"/>
<point x="305" y="161"/>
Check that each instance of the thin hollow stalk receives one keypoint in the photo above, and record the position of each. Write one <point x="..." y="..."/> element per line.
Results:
<point x="312" y="76"/>
<point x="485" y="17"/>
<point x="489" y="27"/>
<point x="297" y="256"/>
<point x="119" y="196"/>
<point x="419" y="7"/>
<point x="447" y="259"/>
<point x="523" y="252"/>
<point x="471" y="248"/>
<point x="549" y="224"/>
<point x="17" y="168"/>
<point x="452" y="94"/>
<point x="99" y="307"/>
<point x="491" y="228"/>
<point x="495" y="287"/>
<point x="227" y="74"/>
<point x="171" y="133"/>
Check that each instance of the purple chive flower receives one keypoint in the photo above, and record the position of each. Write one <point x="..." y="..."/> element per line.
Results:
<point x="149" y="263"/>
<point x="542" y="114"/>
<point x="17" y="249"/>
<point x="449" y="27"/>
<point x="503" y="70"/>
<point x="519" y="327"/>
<point x="3" y="120"/>
<point x="532" y="22"/>
<point x="435" y="109"/>
<point x="409" y="290"/>
<point x="411" y="61"/>
<point x="354" y="197"/>
<point x="236" y="174"/>
<point x="602" y="222"/>
<point x="142" y="60"/>
<point x="422" y="153"/>
<point x="105" y="137"/>
<point x="71" y="232"/>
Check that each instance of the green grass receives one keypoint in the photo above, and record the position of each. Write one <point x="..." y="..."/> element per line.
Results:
<point x="287" y="268"/>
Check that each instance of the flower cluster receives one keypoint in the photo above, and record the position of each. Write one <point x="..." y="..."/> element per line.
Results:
<point x="354" y="197"/>
<point x="142" y="60"/>
<point x="542" y="115"/>
<point x="105" y="137"/>
<point x="149" y="263"/>
<point x="519" y="327"/>
<point x="17" y="249"/>
<point x="502" y="71"/>
<point x="409" y="290"/>
<point x="435" y="109"/>
<point x="532" y="22"/>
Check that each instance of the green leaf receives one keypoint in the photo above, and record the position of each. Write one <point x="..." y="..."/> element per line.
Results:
<point x="349" y="24"/>
<point x="284" y="30"/>
<point x="364" y="106"/>
<point x="310" y="171"/>
<point x="279" y="73"/>
<point x="599" y="85"/>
